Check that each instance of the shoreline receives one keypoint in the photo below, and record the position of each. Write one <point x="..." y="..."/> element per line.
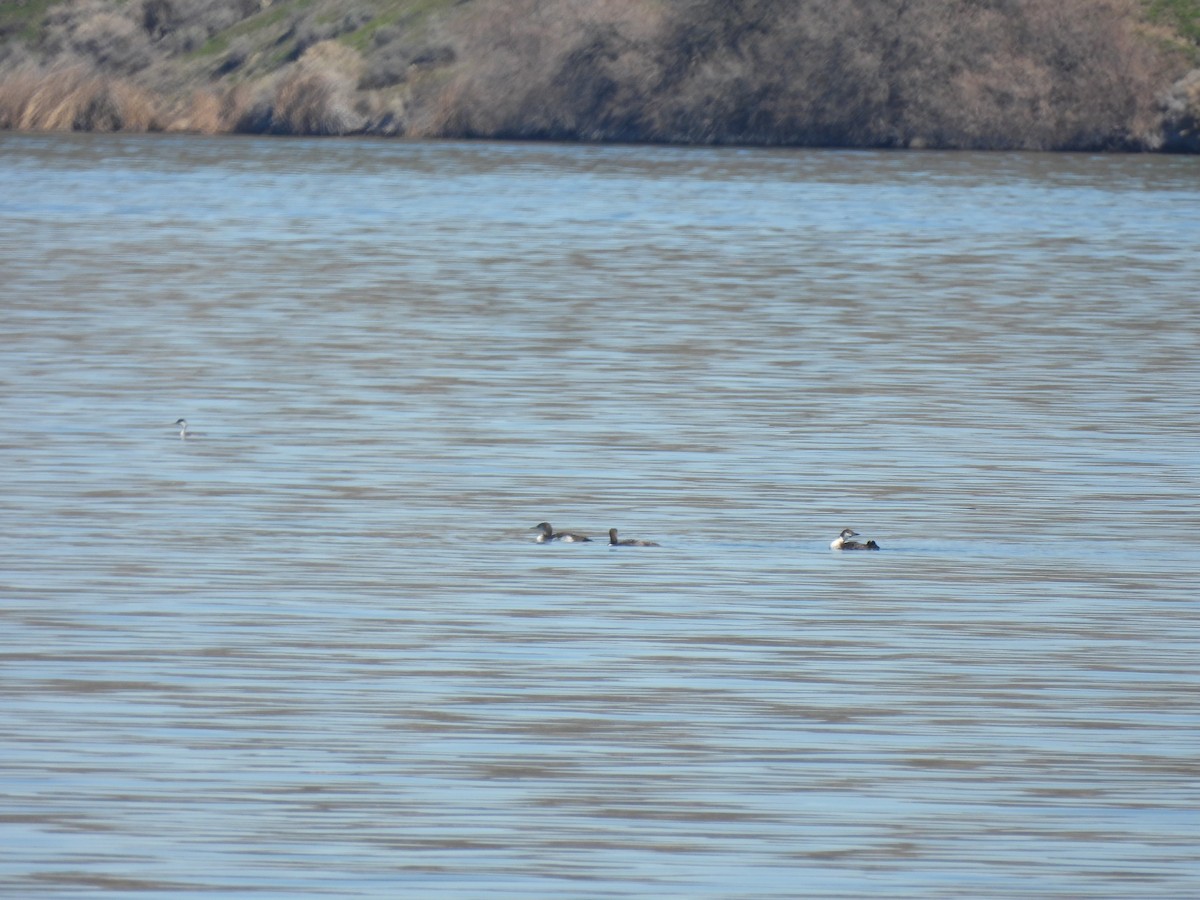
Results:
<point x="1044" y="75"/>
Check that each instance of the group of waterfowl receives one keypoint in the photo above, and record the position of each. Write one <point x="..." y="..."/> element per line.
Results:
<point x="546" y="533"/>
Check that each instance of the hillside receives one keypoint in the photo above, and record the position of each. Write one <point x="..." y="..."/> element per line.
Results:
<point x="986" y="74"/>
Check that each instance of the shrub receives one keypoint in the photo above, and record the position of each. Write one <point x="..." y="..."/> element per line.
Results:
<point x="1031" y="74"/>
<point x="116" y="105"/>
<point x="246" y="109"/>
<point x="386" y="67"/>
<point x="178" y="24"/>
<point x="113" y="42"/>
<point x="159" y="17"/>
<point x="395" y="62"/>
<point x="555" y="69"/>
<point x="384" y="114"/>
<point x="1182" y="115"/>
<point x="316" y="96"/>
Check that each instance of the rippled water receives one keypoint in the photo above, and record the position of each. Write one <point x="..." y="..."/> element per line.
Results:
<point x="315" y="652"/>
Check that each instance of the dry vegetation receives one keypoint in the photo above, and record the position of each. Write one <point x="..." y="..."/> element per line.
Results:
<point x="1027" y="74"/>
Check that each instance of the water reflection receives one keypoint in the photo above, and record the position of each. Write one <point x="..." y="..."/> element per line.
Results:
<point x="318" y="652"/>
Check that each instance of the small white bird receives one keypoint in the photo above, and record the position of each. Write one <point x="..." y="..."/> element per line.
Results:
<point x="184" y="434"/>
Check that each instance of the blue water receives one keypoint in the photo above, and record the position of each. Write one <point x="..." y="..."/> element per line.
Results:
<point x="314" y="651"/>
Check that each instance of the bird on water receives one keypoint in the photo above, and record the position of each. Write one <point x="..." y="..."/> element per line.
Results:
<point x="843" y="542"/>
<point x="627" y="542"/>
<point x="549" y="534"/>
<point x="184" y="434"/>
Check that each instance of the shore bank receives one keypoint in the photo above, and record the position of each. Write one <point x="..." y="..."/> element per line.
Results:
<point x="1082" y="75"/>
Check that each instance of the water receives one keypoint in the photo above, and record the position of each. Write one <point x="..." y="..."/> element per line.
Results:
<point x="314" y="651"/>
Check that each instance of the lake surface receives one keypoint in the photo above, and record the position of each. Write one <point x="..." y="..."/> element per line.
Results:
<point x="315" y="652"/>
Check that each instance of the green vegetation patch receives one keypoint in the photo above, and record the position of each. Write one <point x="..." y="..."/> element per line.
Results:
<point x="406" y="12"/>
<point x="266" y="28"/>
<point x="1182" y="15"/>
<point x="23" y="20"/>
<point x="273" y="15"/>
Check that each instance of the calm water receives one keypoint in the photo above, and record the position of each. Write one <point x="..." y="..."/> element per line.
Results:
<point x="314" y="651"/>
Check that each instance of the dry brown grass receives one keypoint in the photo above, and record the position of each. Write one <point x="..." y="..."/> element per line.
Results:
<point x="317" y="94"/>
<point x="1072" y="74"/>
<point x="200" y="113"/>
<point x="75" y="98"/>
